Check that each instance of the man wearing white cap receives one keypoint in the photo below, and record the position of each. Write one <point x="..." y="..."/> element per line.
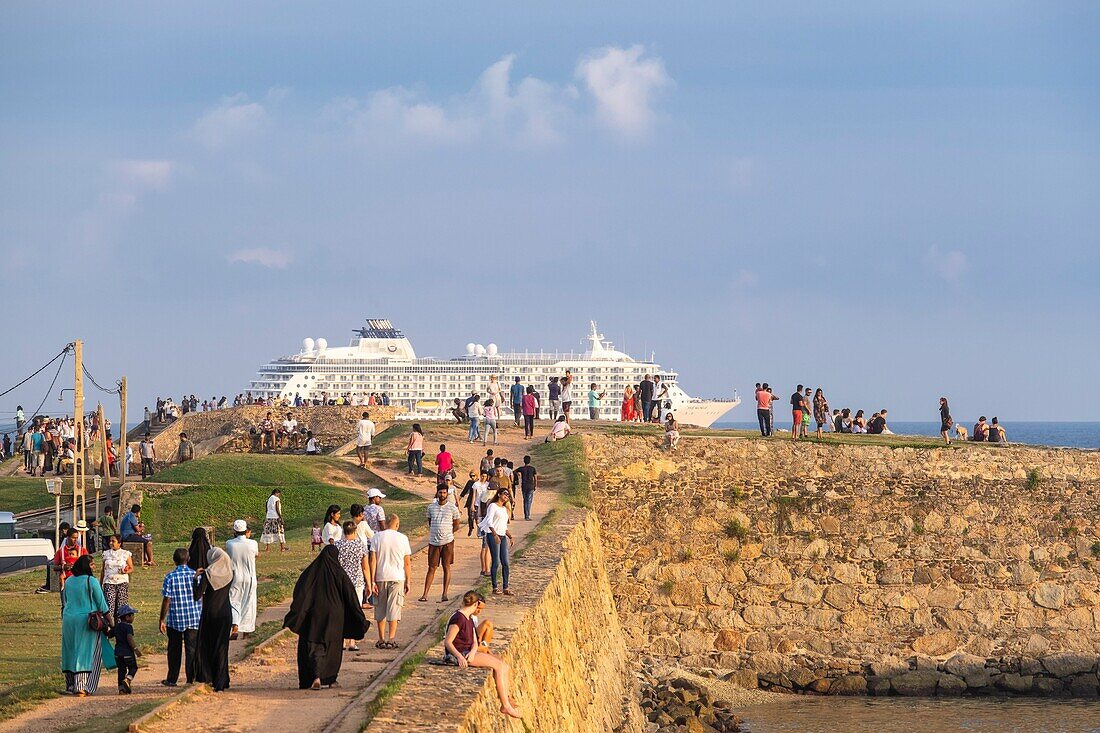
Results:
<point x="375" y="514"/>
<point x="242" y="553"/>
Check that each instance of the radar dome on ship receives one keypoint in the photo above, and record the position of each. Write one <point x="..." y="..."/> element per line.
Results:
<point x="479" y="350"/>
<point x="471" y="348"/>
<point x="307" y="345"/>
<point x="322" y="344"/>
<point x="492" y="350"/>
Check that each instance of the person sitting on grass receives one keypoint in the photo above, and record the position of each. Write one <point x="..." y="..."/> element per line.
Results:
<point x="996" y="432"/>
<point x="462" y="647"/>
<point x="560" y="430"/>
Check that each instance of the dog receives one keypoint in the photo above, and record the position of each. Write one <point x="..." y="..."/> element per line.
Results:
<point x="961" y="432"/>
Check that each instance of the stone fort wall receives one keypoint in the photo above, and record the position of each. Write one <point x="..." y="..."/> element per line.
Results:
<point x="852" y="569"/>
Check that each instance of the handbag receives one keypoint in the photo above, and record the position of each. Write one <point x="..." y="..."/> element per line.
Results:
<point x="97" y="620"/>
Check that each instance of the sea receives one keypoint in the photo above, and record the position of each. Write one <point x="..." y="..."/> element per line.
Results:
<point x="803" y="714"/>
<point x="1056" y="434"/>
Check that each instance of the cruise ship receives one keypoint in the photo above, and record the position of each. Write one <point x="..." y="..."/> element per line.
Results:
<point x="381" y="359"/>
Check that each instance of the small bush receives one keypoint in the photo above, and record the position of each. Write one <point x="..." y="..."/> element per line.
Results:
<point x="735" y="530"/>
<point x="1069" y="531"/>
<point x="1033" y="479"/>
<point x="731" y="556"/>
<point x="918" y="528"/>
<point x="667" y="587"/>
<point x="736" y="494"/>
<point x="1095" y="549"/>
<point x="684" y="555"/>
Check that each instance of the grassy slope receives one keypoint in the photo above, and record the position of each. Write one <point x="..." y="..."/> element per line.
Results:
<point x="29" y="638"/>
<point x="20" y="493"/>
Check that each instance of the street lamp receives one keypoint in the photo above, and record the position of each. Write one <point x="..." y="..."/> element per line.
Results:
<point x="53" y="487"/>
<point x="97" y="482"/>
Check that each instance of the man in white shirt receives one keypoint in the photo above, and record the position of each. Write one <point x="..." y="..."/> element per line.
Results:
<point x="290" y="431"/>
<point x="242" y="551"/>
<point x="364" y="435"/>
<point x="391" y="568"/>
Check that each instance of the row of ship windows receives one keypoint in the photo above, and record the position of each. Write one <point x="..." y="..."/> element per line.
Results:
<point x="487" y="371"/>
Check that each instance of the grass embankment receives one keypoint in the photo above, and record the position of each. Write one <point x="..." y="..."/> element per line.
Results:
<point x="29" y="624"/>
<point x="23" y="493"/>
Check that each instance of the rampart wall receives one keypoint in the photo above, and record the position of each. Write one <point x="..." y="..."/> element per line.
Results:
<point x="851" y="569"/>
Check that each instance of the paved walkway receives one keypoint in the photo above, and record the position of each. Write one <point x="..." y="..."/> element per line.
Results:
<point x="264" y="693"/>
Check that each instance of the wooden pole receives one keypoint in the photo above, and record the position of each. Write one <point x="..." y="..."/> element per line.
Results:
<point x="80" y="454"/>
<point x="121" y="434"/>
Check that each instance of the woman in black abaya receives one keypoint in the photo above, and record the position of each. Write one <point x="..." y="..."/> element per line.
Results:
<point x="325" y="610"/>
<point x="214" y="572"/>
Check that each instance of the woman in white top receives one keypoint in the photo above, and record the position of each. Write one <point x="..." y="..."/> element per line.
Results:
<point x="114" y="576"/>
<point x="494" y="395"/>
<point x="332" y="532"/>
<point x="497" y="536"/>
<point x="274" y="527"/>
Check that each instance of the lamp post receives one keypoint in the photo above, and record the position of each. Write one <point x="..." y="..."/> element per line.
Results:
<point x="53" y="486"/>
<point x="97" y="482"/>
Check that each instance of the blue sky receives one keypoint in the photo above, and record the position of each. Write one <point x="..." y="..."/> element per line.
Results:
<point x="888" y="200"/>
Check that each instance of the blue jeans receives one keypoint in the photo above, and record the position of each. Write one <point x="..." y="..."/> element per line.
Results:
<point x="490" y="425"/>
<point x="528" y="500"/>
<point x="647" y="410"/>
<point x="764" y="417"/>
<point x="416" y="457"/>
<point x="498" y="550"/>
<point x="473" y="428"/>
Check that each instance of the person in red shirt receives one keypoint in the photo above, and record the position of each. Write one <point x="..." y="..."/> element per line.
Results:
<point x="764" y="399"/>
<point x="444" y="464"/>
<point x="70" y="551"/>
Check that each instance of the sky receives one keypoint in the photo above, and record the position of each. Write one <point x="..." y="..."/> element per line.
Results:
<point x="893" y="201"/>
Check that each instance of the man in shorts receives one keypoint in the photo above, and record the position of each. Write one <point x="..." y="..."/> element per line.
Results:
<point x="443" y="518"/>
<point x="797" y="407"/>
<point x="364" y="435"/>
<point x="390" y="570"/>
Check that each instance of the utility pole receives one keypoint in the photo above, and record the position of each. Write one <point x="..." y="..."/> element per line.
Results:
<point x="121" y="435"/>
<point x="106" y="459"/>
<point x="80" y="455"/>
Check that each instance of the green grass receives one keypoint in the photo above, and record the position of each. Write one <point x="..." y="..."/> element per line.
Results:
<point x="563" y="462"/>
<point x="29" y="626"/>
<point x="252" y="469"/>
<point x="23" y="493"/>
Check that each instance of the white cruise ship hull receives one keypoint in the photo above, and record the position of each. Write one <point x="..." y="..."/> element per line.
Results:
<point x="382" y="361"/>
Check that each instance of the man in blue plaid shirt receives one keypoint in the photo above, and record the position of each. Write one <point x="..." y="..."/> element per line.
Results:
<point x="179" y="617"/>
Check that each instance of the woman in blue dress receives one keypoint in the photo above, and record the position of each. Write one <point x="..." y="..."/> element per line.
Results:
<point x="84" y="652"/>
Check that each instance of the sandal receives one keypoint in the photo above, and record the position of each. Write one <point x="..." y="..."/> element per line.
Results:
<point x="422" y="599"/>
<point x="380" y="644"/>
<point x="392" y="645"/>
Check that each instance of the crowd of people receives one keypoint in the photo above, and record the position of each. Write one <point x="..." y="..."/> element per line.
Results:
<point x="50" y="445"/>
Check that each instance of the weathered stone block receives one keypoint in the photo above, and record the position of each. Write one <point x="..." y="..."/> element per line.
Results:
<point x="916" y="684"/>
<point x="936" y="644"/>
<point x="852" y="684"/>
<point x="1067" y="664"/>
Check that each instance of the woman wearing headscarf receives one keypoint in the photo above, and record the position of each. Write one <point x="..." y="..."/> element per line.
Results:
<point x="213" y="574"/>
<point x="324" y="611"/>
<point x="82" y="648"/>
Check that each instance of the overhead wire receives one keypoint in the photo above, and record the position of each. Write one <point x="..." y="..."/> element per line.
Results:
<point x="99" y="386"/>
<point x="67" y="349"/>
<point x="38" y="409"/>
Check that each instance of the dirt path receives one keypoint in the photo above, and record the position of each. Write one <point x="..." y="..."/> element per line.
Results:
<point x="264" y="693"/>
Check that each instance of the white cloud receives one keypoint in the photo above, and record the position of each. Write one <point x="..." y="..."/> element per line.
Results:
<point x="234" y="118"/>
<point x="531" y="112"/>
<point x="624" y="85"/>
<point x="948" y="265"/>
<point x="151" y="175"/>
<point x="271" y="258"/>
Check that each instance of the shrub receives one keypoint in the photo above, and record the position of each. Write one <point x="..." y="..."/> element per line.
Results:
<point x="684" y="555"/>
<point x="731" y="556"/>
<point x="1033" y="479"/>
<point x="667" y="587"/>
<point x="735" y="530"/>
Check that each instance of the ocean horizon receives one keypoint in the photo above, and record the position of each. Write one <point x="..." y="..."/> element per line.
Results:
<point x="1054" y="434"/>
